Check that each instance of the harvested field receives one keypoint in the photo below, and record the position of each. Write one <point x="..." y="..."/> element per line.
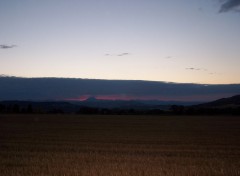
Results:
<point x="81" y="145"/>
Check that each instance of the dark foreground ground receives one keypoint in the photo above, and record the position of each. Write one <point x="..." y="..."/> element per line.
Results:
<point x="71" y="145"/>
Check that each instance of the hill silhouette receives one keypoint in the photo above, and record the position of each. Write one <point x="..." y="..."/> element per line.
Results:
<point x="94" y="106"/>
<point x="233" y="101"/>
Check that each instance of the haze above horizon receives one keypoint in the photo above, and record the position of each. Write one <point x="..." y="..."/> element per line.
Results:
<point x="189" y="41"/>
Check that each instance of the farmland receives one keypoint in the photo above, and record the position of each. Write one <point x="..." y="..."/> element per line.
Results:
<point x="101" y="145"/>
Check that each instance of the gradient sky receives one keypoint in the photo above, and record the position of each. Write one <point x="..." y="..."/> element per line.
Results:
<point x="190" y="41"/>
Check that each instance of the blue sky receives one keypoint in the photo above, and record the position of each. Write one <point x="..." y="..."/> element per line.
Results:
<point x="188" y="41"/>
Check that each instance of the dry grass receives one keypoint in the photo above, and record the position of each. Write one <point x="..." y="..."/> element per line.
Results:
<point x="70" y="145"/>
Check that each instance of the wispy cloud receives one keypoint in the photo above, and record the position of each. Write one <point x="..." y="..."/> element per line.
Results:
<point x="7" y="46"/>
<point x="196" y="69"/>
<point x="119" y="55"/>
<point x="123" y="54"/>
<point x="229" y="5"/>
<point x="168" y="57"/>
<point x="192" y="68"/>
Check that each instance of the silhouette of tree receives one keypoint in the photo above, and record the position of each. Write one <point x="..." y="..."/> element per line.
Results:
<point x="2" y="108"/>
<point x="178" y="110"/>
<point x="16" y="108"/>
<point x="29" y="109"/>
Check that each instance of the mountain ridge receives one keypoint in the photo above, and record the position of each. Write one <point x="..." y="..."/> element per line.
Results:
<point x="232" y="101"/>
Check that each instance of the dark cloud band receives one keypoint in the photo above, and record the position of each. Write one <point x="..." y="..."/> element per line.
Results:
<point x="230" y="5"/>
<point x="65" y="88"/>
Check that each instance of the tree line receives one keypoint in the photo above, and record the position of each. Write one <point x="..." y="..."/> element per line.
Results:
<point x="173" y="110"/>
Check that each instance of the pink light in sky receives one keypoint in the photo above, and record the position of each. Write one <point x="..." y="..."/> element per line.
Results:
<point x="125" y="97"/>
<point x="81" y="98"/>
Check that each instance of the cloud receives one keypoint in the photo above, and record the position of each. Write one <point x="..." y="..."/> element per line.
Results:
<point x="123" y="54"/>
<point x="191" y="68"/>
<point x="69" y="88"/>
<point x="196" y="69"/>
<point x="119" y="55"/>
<point x="230" y="5"/>
<point x="7" y="46"/>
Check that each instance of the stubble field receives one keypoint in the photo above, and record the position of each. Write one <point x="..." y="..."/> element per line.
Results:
<point x="81" y="145"/>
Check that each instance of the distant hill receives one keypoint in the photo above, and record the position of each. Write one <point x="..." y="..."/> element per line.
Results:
<point x="39" y="107"/>
<point x="233" y="101"/>
<point x="223" y="106"/>
<point x="90" y="104"/>
<point x="95" y="106"/>
<point x="132" y="104"/>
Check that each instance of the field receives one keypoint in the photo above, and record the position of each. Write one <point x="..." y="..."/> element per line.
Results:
<point x="75" y="145"/>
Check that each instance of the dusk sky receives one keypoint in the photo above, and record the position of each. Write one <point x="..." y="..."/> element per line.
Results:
<point x="187" y="41"/>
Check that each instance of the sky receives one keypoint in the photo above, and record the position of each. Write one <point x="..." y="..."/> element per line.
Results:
<point x="187" y="41"/>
